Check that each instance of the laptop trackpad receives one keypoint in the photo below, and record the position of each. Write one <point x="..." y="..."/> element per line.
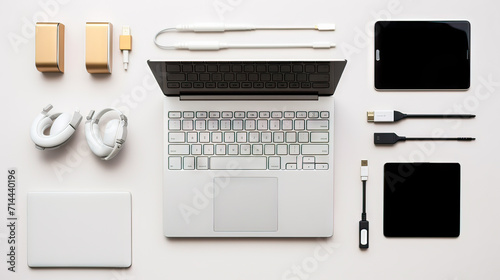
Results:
<point x="245" y="204"/>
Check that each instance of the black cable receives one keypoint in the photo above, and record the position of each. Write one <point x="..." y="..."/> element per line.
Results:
<point x="390" y="138"/>
<point x="363" y="214"/>
<point x="437" y="116"/>
<point x="363" y="224"/>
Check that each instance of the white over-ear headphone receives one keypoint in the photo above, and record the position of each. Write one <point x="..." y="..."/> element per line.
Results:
<point x="62" y="126"/>
<point x="109" y="144"/>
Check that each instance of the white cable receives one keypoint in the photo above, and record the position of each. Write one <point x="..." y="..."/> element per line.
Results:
<point x="214" y="45"/>
<point x="220" y="27"/>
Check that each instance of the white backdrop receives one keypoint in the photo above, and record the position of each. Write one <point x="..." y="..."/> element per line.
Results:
<point x="25" y="91"/>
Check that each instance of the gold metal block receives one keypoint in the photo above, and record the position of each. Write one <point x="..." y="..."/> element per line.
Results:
<point x="49" y="47"/>
<point x="98" y="47"/>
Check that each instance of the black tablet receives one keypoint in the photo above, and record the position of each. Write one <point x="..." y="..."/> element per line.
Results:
<point x="421" y="199"/>
<point x="422" y="55"/>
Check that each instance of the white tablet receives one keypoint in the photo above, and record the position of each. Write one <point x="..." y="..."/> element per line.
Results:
<point x="79" y="229"/>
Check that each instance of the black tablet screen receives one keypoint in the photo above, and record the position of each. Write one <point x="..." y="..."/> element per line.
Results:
<point x="422" y="55"/>
<point x="421" y="199"/>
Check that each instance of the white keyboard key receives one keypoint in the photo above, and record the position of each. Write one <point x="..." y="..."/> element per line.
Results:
<point x="174" y="124"/>
<point x="213" y="125"/>
<point x="321" y="166"/>
<point x="264" y="114"/>
<point x="187" y="125"/>
<point x="294" y="149"/>
<point x="208" y="149"/>
<point x="279" y="137"/>
<point x="314" y="149"/>
<point x="202" y="163"/>
<point x="225" y="124"/>
<point x="319" y="137"/>
<point x="237" y="124"/>
<point x="300" y="124"/>
<point x="241" y="137"/>
<point x="308" y="159"/>
<point x="276" y="115"/>
<point x="274" y="124"/>
<point x="236" y="163"/>
<point x="229" y="137"/>
<point x="239" y="114"/>
<point x="245" y="149"/>
<point x="174" y="163"/>
<point x="202" y="115"/>
<point x="287" y="124"/>
<point x="200" y="124"/>
<point x="192" y="137"/>
<point x="269" y="149"/>
<point x="266" y="137"/>
<point x="232" y="149"/>
<point x="313" y="114"/>
<point x="289" y="114"/>
<point x="274" y="163"/>
<point x="253" y="137"/>
<point x="307" y="166"/>
<point x="204" y="137"/>
<point x="178" y="149"/>
<point x="302" y="114"/>
<point x="291" y="137"/>
<point x="217" y="137"/>
<point x="174" y="115"/>
<point x="324" y="114"/>
<point x="227" y="114"/>
<point x="188" y="163"/>
<point x="317" y="124"/>
<point x="214" y="115"/>
<point x="252" y="114"/>
<point x="303" y="137"/>
<point x="220" y="149"/>
<point x="250" y="124"/>
<point x="282" y="149"/>
<point x="262" y="124"/>
<point x="188" y="115"/>
<point x="196" y="149"/>
<point x="291" y="166"/>
<point x="257" y="149"/>
<point x="176" y="137"/>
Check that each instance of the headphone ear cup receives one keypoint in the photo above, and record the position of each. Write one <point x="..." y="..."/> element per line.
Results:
<point x="109" y="135"/>
<point x="94" y="140"/>
<point x="60" y="123"/>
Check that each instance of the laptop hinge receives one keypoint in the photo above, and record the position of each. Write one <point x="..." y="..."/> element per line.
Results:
<point x="194" y="97"/>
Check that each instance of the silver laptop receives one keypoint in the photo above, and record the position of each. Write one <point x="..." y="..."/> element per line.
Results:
<point x="248" y="147"/>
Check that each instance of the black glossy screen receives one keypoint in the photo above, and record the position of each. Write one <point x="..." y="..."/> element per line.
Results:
<point x="421" y="199"/>
<point x="422" y="55"/>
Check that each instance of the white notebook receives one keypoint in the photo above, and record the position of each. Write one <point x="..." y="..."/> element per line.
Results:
<point x="79" y="229"/>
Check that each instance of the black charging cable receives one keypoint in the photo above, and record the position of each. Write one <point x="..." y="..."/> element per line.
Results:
<point x="363" y="224"/>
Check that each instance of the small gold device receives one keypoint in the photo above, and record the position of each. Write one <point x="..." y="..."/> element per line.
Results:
<point x="98" y="47"/>
<point x="49" y="47"/>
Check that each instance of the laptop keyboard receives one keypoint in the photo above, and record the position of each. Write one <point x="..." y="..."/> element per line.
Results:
<point x="248" y="140"/>
<point x="316" y="78"/>
<point x="248" y="75"/>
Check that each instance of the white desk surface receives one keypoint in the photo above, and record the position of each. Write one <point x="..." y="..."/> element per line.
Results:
<point x="138" y="169"/>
